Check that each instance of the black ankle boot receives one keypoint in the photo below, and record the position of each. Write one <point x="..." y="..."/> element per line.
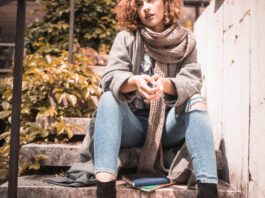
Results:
<point x="106" y="189"/>
<point x="207" y="190"/>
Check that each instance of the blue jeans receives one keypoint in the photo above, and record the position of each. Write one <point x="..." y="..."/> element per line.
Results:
<point x="117" y="126"/>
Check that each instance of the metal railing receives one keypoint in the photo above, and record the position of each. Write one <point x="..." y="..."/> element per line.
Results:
<point x="16" y="101"/>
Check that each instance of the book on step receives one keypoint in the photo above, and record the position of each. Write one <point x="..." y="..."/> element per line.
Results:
<point x="140" y="180"/>
<point x="152" y="188"/>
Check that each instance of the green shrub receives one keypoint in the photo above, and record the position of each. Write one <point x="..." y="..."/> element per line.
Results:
<point x="94" y="25"/>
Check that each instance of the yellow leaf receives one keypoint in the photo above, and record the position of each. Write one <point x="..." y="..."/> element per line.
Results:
<point x="6" y="149"/>
<point x="36" y="129"/>
<point x="69" y="132"/>
<point x="34" y="166"/>
<point x="47" y="112"/>
<point x="28" y="138"/>
<point x="5" y="105"/>
<point x="49" y="59"/>
<point x="4" y="135"/>
<point x="76" y="126"/>
<point x="4" y="114"/>
<point x="72" y="99"/>
<point x="42" y="157"/>
<point x="57" y="90"/>
<point x="60" y="127"/>
<point x="62" y="96"/>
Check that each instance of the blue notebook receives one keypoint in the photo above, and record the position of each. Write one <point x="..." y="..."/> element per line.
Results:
<point x="138" y="180"/>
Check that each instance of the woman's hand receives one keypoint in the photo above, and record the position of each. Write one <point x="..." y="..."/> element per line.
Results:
<point x="166" y="85"/>
<point x="157" y="82"/>
<point x="147" y="87"/>
<point x="150" y="87"/>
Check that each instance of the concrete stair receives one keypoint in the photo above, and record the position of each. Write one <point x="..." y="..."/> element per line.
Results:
<point x="33" y="186"/>
<point x="65" y="154"/>
<point x="59" y="154"/>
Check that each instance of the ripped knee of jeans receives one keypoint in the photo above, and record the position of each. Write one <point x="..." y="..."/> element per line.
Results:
<point x="196" y="102"/>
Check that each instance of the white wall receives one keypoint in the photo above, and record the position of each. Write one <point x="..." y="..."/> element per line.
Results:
<point x="230" y="40"/>
<point x="257" y="101"/>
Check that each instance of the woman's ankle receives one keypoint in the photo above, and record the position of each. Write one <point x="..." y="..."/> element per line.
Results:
<point x="105" y="177"/>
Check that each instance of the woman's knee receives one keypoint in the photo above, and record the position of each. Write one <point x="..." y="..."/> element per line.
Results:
<point x="196" y="102"/>
<point x="107" y="97"/>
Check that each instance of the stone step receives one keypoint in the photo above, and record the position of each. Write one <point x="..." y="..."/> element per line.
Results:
<point x="82" y="122"/>
<point x="33" y="186"/>
<point x="58" y="154"/>
<point x="65" y="155"/>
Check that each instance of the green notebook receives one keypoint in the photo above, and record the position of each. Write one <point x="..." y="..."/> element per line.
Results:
<point x="152" y="188"/>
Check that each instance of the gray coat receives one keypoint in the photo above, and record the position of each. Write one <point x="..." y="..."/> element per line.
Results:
<point x="127" y="52"/>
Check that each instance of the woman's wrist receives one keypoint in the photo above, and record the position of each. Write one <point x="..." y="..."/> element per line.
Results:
<point x="130" y="85"/>
<point x="168" y="87"/>
<point x="133" y="81"/>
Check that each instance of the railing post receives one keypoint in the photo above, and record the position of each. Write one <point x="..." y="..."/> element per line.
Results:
<point x="71" y="31"/>
<point x="16" y="99"/>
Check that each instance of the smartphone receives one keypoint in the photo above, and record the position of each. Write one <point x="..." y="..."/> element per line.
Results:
<point x="150" y="85"/>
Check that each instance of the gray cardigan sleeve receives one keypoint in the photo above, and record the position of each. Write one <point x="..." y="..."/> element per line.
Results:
<point x="119" y="67"/>
<point x="187" y="81"/>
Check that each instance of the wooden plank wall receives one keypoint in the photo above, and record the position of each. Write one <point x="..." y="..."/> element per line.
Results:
<point x="231" y="45"/>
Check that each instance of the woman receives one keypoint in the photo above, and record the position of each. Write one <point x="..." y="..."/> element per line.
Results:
<point x="151" y="95"/>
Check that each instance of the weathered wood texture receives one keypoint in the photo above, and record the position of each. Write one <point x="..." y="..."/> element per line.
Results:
<point x="230" y="45"/>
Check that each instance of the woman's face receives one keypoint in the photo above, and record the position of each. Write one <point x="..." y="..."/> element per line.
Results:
<point x="151" y="13"/>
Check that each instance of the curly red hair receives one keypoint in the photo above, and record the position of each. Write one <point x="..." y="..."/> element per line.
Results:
<point x="127" y="18"/>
